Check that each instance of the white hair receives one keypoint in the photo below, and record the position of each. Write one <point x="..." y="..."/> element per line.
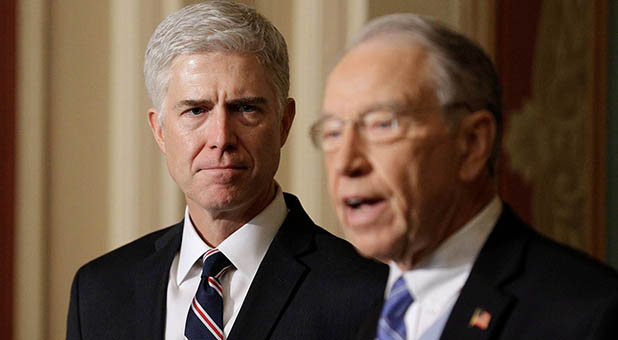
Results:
<point x="215" y="26"/>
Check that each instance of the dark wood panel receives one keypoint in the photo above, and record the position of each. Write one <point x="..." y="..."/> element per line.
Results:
<point x="7" y="163"/>
<point x="516" y="30"/>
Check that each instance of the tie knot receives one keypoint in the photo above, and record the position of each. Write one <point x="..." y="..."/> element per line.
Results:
<point x="215" y="263"/>
<point x="399" y="299"/>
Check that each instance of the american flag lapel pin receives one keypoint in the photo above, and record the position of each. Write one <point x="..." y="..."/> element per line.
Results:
<point x="480" y="318"/>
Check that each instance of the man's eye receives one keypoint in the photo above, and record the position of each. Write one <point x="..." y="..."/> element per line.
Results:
<point x="331" y="129"/>
<point x="247" y="108"/>
<point x="196" y="111"/>
<point x="331" y="134"/>
<point x="243" y="108"/>
<point x="380" y="124"/>
<point x="379" y="121"/>
<point x="247" y="114"/>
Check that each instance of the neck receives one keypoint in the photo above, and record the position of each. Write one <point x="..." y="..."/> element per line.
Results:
<point x="474" y="198"/>
<point x="214" y="226"/>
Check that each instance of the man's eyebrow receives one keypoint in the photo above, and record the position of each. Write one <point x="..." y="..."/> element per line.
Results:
<point x="193" y="103"/>
<point x="385" y="106"/>
<point x="382" y="106"/>
<point x="247" y="101"/>
<point x="209" y="103"/>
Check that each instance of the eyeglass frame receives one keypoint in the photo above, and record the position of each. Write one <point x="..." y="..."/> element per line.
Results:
<point x="358" y="122"/>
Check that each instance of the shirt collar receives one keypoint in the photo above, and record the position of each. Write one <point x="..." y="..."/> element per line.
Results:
<point x="245" y="248"/>
<point x="448" y="267"/>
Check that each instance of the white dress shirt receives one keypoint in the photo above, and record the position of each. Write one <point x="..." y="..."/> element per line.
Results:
<point x="435" y="283"/>
<point x="245" y="248"/>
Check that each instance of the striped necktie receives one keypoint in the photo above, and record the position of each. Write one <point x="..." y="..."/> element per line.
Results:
<point x="205" y="317"/>
<point x="391" y="325"/>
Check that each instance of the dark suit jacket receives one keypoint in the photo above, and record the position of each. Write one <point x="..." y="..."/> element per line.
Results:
<point x="310" y="285"/>
<point x="533" y="288"/>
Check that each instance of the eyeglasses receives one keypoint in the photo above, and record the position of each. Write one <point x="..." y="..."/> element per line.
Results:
<point x="378" y="126"/>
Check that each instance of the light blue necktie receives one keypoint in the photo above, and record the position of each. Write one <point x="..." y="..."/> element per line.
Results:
<point x="391" y="325"/>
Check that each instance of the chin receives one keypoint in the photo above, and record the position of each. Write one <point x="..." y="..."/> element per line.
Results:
<point x="380" y="246"/>
<point x="217" y="201"/>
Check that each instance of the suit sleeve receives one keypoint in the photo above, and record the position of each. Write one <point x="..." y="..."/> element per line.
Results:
<point x="73" y="321"/>
<point x="606" y="325"/>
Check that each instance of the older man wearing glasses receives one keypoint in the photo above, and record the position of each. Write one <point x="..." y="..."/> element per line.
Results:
<point x="410" y="133"/>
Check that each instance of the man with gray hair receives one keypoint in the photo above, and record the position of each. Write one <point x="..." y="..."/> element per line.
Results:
<point x="410" y="132"/>
<point x="246" y="262"/>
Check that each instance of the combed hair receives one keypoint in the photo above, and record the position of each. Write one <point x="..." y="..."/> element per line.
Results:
<point x="462" y="73"/>
<point x="215" y="26"/>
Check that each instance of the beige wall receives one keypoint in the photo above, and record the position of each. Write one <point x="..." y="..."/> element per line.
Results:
<point x="90" y="177"/>
<point x="77" y="117"/>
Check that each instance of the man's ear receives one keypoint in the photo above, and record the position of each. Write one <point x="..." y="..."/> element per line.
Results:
<point x="289" y="111"/>
<point x="475" y="140"/>
<point x="157" y="129"/>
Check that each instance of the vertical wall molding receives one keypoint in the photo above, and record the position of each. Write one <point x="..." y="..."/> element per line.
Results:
<point x="319" y="33"/>
<point x="32" y="170"/>
<point x="142" y="195"/>
<point x="477" y="20"/>
<point x="305" y="66"/>
<point x="358" y="13"/>
<point x="124" y="168"/>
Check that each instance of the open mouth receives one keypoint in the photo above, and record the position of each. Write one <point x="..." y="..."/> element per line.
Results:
<point x="363" y="211"/>
<point x="360" y="202"/>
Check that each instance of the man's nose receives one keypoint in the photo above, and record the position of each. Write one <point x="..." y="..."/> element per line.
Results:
<point x="351" y="158"/>
<point x="220" y="131"/>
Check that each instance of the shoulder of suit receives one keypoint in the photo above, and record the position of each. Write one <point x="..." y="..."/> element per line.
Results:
<point x="132" y="252"/>
<point x="567" y="262"/>
<point x="340" y="256"/>
<point x="559" y="270"/>
<point x="535" y="265"/>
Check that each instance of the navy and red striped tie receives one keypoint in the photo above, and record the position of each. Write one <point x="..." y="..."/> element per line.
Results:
<point x="205" y="317"/>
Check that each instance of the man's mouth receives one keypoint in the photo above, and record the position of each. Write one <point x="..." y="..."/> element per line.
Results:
<point x="363" y="211"/>
<point x="224" y="174"/>
<point x="225" y="166"/>
<point x="359" y="202"/>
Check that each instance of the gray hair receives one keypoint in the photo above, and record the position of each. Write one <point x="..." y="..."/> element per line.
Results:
<point x="215" y="26"/>
<point x="462" y="74"/>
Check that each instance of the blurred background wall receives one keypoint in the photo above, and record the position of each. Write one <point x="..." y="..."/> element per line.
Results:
<point x="82" y="175"/>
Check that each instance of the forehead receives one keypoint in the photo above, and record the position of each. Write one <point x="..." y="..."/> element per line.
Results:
<point x="381" y="70"/>
<point x="236" y="73"/>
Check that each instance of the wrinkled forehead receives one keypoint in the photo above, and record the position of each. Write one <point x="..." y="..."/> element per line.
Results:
<point x="244" y="68"/>
<point x="385" y="69"/>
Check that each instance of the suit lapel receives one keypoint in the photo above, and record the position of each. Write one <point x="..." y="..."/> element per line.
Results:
<point x="477" y="314"/>
<point x="483" y="301"/>
<point x="278" y="275"/>
<point x="151" y="285"/>
<point x="368" y="329"/>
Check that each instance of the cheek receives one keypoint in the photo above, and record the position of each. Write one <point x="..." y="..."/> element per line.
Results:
<point x="439" y="172"/>
<point x="264" y="147"/>
<point x="181" y="147"/>
<point x="398" y="176"/>
<point x="332" y="181"/>
<point x="330" y="173"/>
